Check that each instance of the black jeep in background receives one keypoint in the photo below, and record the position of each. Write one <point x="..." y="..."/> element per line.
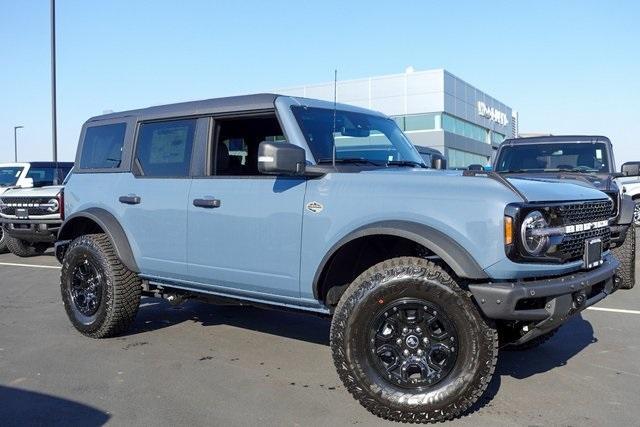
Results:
<point x="584" y="158"/>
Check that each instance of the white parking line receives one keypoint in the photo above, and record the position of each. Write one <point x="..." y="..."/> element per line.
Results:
<point x="614" y="310"/>
<point x="13" y="264"/>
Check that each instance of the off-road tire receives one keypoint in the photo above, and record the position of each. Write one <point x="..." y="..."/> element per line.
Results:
<point x="3" y="242"/>
<point x="626" y="256"/>
<point x="377" y="288"/>
<point x="120" y="290"/>
<point x="20" y="248"/>
<point x="636" y="212"/>
<point x="536" y="342"/>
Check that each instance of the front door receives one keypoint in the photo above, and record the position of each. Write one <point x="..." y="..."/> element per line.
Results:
<point x="244" y="228"/>
<point x="244" y="233"/>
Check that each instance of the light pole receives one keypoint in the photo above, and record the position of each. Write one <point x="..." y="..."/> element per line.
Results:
<point x="15" y="142"/>
<point x="54" y="133"/>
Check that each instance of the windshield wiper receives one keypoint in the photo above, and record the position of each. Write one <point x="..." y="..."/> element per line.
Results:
<point x="351" y="160"/>
<point x="409" y="163"/>
<point x="513" y="171"/>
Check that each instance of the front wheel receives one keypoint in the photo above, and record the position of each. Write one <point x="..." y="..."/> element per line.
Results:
<point x="636" y="213"/>
<point x="100" y="295"/>
<point x="19" y="247"/>
<point x="410" y="345"/>
<point x="3" y="242"/>
<point x="626" y="255"/>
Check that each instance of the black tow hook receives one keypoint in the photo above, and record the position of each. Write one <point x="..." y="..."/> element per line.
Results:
<point x="579" y="299"/>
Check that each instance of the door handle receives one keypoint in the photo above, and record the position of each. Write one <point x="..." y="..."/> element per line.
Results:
<point x="207" y="203"/>
<point x="130" y="200"/>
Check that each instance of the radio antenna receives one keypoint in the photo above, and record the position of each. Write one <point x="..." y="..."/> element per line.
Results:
<point x="335" y="101"/>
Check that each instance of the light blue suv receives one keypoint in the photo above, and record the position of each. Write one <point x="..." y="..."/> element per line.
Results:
<point x="307" y="205"/>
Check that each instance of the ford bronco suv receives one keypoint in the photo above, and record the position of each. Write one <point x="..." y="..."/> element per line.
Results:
<point x="324" y="208"/>
<point x="588" y="159"/>
<point x="28" y="175"/>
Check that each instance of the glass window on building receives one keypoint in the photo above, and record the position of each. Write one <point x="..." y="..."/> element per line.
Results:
<point x="421" y="121"/>
<point x="462" y="159"/>
<point x="400" y="122"/>
<point x="497" y="138"/>
<point x="464" y="128"/>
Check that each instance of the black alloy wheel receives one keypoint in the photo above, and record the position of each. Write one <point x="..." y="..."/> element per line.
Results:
<point x="413" y="343"/>
<point x="86" y="288"/>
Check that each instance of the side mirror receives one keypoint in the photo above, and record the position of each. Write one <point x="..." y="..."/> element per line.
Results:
<point x="27" y="183"/>
<point x="438" y="162"/>
<point x="475" y="167"/>
<point x="631" y="169"/>
<point x="281" y="158"/>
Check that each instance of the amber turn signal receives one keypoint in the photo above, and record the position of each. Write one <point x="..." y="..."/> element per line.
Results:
<point x="508" y="230"/>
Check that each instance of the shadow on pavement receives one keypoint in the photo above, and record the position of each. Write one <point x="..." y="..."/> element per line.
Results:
<point x="157" y="314"/>
<point x="27" y="408"/>
<point x="573" y="337"/>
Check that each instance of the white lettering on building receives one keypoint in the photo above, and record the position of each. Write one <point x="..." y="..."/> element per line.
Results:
<point x="492" y="114"/>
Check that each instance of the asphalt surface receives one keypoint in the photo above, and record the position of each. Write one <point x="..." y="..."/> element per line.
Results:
<point x="199" y="364"/>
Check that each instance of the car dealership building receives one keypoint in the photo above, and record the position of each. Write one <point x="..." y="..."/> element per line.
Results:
<point x="435" y="109"/>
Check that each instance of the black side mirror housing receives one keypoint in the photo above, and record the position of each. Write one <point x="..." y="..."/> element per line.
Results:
<point x="475" y="167"/>
<point x="438" y="162"/>
<point x="631" y="169"/>
<point x="281" y="158"/>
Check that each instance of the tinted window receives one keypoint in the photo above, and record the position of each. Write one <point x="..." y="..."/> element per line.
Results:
<point x="572" y="156"/>
<point x="102" y="148"/>
<point x="9" y="175"/>
<point x="42" y="176"/>
<point x="164" y="148"/>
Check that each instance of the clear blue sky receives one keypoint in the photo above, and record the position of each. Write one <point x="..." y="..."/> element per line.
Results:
<point x="566" y="66"/>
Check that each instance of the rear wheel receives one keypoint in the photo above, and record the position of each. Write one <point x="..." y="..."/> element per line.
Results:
<point x="626" y="255"/>
<point x="100" y="295"/>
<point x="410" y="345"/>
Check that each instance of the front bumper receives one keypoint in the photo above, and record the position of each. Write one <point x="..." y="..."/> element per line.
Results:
<point x="32" y="230"/>
<point x="546" y="303"/>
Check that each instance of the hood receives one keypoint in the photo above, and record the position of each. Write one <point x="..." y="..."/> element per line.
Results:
<point x="50" y="191"/>
<point x="555" y="190"/>
<point x="535" y="189"/>
<point x="602" y="182"/>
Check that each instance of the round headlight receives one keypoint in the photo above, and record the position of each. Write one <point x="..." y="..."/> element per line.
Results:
<point x="534" y="244"/>
<point x="53" y="205"/>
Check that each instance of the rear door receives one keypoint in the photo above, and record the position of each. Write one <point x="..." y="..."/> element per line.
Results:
<point x="153" y="198"/>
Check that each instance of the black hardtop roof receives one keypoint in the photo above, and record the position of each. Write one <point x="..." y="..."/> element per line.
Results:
<point x="50" y="164"/>
<point x="261" y="101"/>
<point x="556" y="138"/>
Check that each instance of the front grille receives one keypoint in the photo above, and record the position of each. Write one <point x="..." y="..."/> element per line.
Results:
<point x="580" y="213"/>
<point x="572" y="246"/>
<point x="8" y="205"/>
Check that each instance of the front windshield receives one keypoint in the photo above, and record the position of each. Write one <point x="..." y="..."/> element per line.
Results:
<point x="358" y="137"/>
<point x="9" y="175"/>
<point x="586" y="157"/>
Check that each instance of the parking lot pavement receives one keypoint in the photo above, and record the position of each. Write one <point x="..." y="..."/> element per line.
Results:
<point x="199" y="364"/>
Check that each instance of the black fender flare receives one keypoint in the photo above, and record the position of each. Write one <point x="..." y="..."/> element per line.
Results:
<point x="112" y="228"/>
<point x="451" y="252"/>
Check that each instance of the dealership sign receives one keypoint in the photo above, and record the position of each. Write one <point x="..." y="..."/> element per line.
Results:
<point x="492" y="114"/>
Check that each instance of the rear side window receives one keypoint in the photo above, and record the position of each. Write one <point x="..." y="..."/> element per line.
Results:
<point x="42" y="176"/>
<point x="164" y="148"/>
<point x="102" y="147"/>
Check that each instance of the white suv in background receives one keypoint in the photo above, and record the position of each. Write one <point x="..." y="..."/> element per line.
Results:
<point x="28" y="175"/>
